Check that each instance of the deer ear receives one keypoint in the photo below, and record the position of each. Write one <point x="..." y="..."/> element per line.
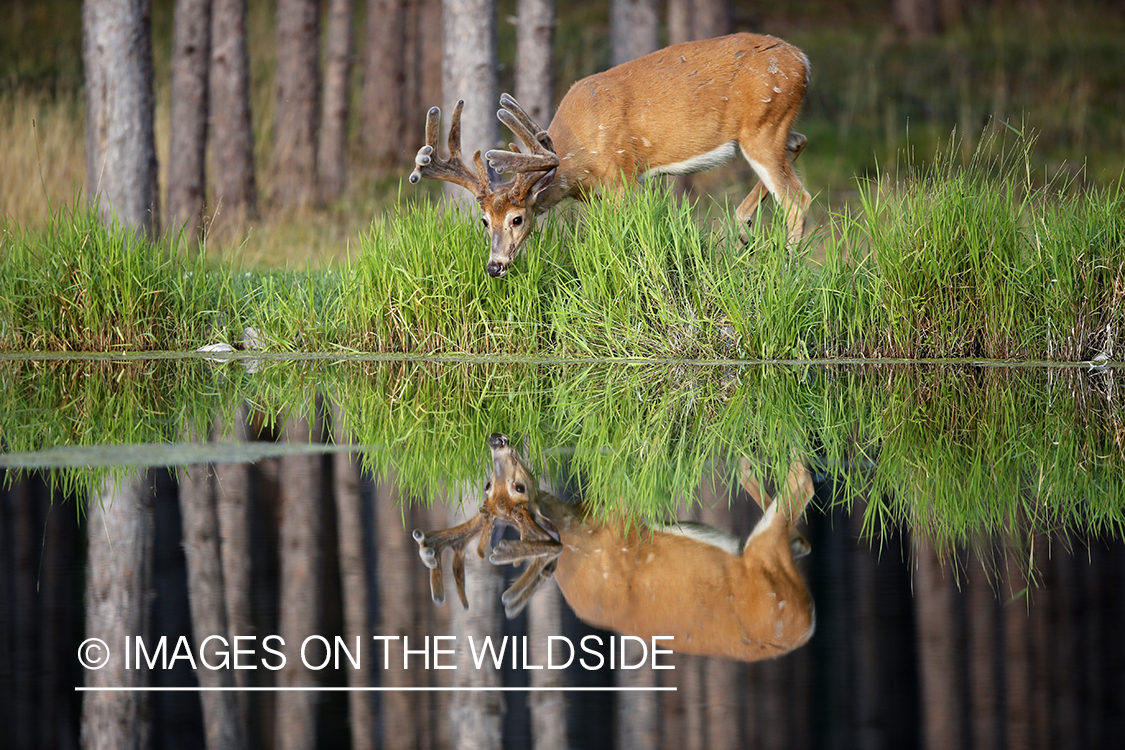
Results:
<point x="540" y="187"/>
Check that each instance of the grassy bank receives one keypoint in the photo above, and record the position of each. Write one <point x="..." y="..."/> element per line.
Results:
<point x="975" y="260"/>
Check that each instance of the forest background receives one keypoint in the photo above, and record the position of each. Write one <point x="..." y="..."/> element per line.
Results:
<point x="334" y="98"/>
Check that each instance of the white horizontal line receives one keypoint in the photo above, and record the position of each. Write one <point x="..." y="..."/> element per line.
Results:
<point x="372" y="689"/>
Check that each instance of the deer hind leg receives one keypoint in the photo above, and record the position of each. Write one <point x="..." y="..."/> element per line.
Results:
<point x="793" y="198"/>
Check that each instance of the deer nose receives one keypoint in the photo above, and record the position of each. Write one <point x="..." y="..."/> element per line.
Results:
<point x="496" y="269"/>
<point x="497" y="440"/>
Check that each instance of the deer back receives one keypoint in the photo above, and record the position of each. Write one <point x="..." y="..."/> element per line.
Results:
<point x="682" y="109"/>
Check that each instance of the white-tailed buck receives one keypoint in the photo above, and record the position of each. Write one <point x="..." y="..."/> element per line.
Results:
<point x="683" y="109"/>
<point x="714" y="595"/>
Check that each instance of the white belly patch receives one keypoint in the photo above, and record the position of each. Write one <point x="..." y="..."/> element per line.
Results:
<point x="701" y="163"/>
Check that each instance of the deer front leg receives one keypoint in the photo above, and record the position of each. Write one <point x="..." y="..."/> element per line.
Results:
<point x="431" y="546"/>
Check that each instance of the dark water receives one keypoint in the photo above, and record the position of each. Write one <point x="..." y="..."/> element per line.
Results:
<point x="967" y="566"/>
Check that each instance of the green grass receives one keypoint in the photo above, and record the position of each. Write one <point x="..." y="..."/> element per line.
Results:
<point x="960" y="260"/>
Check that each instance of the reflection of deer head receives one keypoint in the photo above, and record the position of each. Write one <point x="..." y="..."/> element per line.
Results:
<point x="510" y="490"/>
<point x="689" y="581"/>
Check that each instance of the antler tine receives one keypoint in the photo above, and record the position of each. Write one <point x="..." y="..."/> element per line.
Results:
<point x="538" y="159"/>
<point x="508" y="102"/>
<point x="428" y="164"/>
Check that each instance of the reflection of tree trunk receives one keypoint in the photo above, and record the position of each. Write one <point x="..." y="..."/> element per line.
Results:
<point x="232" y="133"/>
<point x="396" y="568"/>
<point x="332" y="151"/>
<point x="720" y="675"/>
<point x="191" y="57"/>
<point x="232" y="501"/>
<point x="475" y="716"/>
<point x="1017" y="662"/>
<point x="544" y="619"/>
<point x="120" y="530"/>
<point x="981" y="622"/>
<point x="937" y="649"/>
<point x="636" y="721"/>
<point x="548" y="709"/>
<point x="221" y="717"/>
<point x="353" y="583"/>
<point x="433" y="620"/>
<point x="299" y="550"/>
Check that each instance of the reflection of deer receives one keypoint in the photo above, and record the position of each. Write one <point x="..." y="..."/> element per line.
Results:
<point x="690" y="581"/>
<point x="683" y="109"/>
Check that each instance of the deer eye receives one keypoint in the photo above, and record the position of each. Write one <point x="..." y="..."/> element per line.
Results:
<point x="484" y="220"/>
<point x="517" y="221"/>
<point x="488" y="486"/>
<point x="520" y="488"/>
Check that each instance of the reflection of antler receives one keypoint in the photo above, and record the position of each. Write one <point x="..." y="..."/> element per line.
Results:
<point x="431" y="545"/>
<point x="428" y="164"/>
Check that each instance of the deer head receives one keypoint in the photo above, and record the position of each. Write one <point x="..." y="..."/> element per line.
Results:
<point x="508" y="208"/>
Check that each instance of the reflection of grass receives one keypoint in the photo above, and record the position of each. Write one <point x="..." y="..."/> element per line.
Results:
<point x="951" y="452"/>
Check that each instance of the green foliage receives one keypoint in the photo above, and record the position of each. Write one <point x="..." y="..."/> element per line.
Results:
<point x="968" y="261"/>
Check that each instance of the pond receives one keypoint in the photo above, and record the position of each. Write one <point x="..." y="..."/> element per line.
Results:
<point x="964" y="521"/>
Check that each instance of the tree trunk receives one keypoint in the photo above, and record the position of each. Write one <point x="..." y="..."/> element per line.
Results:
<point x="535" y="42"/>
<point x="697" y="19"/>
<point x="354" y="585"/>
<point x="119" y="524"/>
<point x="634" y="27"/>
<point x="299" y="550"/>
<point x="384" y="110"/>
<point x="121" y="169"/>
<point x="232" y="131"/>
<point x="187" y="152"/>
<point x="332" y="153"/>
<point x="469" y="73"/>
<point x="298" y="89"/>
<point x="222" y="722"/>
<point x="917" y="18"/>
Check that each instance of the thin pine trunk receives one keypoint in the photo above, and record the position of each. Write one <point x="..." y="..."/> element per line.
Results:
<point x="233" y="175"/>
<point x="296" y="111"/>
<point x="187" y="152"/>
<point x="121" y="168"/>
<point x="333" y="148"/>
